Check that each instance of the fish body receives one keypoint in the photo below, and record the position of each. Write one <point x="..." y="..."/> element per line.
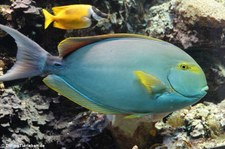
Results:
<point x="73" y="16"/>
<point x="108" y="77"/>
<point x="114" y="74"/>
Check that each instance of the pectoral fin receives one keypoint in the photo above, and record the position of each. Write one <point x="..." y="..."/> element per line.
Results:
<point x="152" y="84"/>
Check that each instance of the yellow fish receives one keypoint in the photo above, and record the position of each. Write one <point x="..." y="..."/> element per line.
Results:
<point x="73" y="16"/>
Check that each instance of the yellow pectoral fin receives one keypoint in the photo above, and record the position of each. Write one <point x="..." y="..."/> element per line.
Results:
<point x="152" y="84"/>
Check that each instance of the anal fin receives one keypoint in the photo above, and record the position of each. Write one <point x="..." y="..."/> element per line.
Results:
<point x="62" y="87"/>
<point x="136" y="115"/>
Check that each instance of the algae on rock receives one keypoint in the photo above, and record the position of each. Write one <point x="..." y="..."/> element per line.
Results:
<point x="199" y="126"/>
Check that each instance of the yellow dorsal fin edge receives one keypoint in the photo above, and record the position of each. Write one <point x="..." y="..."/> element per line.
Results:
<point x="71" y="44"/>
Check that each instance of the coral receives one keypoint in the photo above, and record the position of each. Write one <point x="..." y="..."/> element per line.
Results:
<point x="159" y="20"/>
<point x="194" y="126"/>
<point x="182" y="33"/>
<point x="30" y="120"/>
<point x="163" y="23"/>
<point x="208" y="13"/>
<point x="27" y="6"/>
<point x="176" y="119"/>
<point x="6" y="12"/>
<point x="187" y="23"/>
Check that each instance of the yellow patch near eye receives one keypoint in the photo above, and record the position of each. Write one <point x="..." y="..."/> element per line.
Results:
<point x="195" y="69"/>
<point x="185" y="66"/>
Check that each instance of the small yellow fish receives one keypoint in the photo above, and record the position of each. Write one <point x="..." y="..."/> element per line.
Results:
<point x="73" y="16"/>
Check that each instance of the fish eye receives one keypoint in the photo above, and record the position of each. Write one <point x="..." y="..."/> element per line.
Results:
<point x="184" y="67"/>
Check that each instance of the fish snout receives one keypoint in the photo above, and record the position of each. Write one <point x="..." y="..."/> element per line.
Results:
<point x="205" y="89"/>
<point x="202" y="92"/>
<point x="98" y="15"/>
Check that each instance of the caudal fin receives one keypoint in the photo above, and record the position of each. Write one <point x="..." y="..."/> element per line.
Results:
<point x="30" y="58"/>
<point x="49" y="18"/>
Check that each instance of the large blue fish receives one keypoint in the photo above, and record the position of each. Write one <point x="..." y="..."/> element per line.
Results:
<point x="114" y="74"/>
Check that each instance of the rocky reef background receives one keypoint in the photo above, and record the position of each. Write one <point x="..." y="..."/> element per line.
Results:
<point x="34" y="114"/>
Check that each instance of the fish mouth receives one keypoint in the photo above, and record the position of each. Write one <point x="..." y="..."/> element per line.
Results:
<point x="203" y="92"/>
<point x="200" y="94"/>
<point x="205" y="89"/>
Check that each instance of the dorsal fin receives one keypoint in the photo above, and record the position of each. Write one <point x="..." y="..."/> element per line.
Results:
<point x="73" y="43"/>
<point x="56" y="10"/>
<point x="73" y="8"/>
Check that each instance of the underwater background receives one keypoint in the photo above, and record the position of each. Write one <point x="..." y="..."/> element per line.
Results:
<point x="33" y="114"/>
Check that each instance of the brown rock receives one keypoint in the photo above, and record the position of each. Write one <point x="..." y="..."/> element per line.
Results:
<point x="208" y="13"/>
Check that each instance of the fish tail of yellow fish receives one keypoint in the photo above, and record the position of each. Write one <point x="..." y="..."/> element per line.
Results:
<point x="49" y="18"/>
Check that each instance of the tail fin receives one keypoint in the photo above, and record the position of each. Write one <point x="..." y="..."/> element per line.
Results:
<point x="49" y="18"/>
<point x="30" y="57"/>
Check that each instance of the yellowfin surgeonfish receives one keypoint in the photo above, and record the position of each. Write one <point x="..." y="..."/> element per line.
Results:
<point x="73" y="16"/>
<point x="114" y="74"/>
